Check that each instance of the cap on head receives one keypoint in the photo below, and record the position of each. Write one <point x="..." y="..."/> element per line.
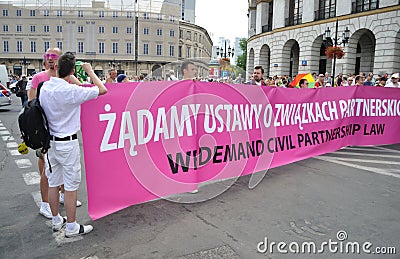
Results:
<point x="395" y="75"/>
<point x="121" y="78"/>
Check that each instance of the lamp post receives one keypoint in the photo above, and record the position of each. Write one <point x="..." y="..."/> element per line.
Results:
<point x="136" y="36"/>
<point x="24" y="63"/>
<point x="328" y="42"/>
<point x="225" y="53"/>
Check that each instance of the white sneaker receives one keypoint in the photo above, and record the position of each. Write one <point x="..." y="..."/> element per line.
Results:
<point x="82" y="230"/>
<point x="59" y="226"/>
<point x="45" y="211"/>
<point x="78" y="203"/>
<point x="194" y="191"/>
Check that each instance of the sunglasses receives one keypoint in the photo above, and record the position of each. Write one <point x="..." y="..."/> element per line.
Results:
<point x="50" y="56"/>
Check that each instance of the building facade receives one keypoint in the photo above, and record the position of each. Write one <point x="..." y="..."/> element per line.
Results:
<point x="286" y="37"/>
<point x="136" y="39"/>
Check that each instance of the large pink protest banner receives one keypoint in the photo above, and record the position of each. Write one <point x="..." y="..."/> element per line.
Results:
<point x="143" y="141"/>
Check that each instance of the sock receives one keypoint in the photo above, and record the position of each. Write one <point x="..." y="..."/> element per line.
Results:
<point x="73" y="226"/>
<point x="57" y="219"/>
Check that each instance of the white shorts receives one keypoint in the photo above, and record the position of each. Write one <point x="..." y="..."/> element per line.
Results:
<point x="65" y="160"/>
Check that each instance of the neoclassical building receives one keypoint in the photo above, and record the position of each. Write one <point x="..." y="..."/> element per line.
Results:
<point x="286" y="37"/>
<point x="106" y="36"/>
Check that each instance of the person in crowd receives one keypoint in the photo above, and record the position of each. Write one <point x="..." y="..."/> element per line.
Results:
<point x="21" y="90"/>
<point x="368" y="80"/>
<point x="239" y="79"/>
<point x="327" y="80"/>
<point x="344" y="81"/>
<point x="188" y="70"/>
<point x="50" y="62"/>
<point x="258" y="73"/>
<point x="359" y="80"/>
<point x="171" y="76"/>
<point x="303" y="83"/>
<point x="112" y="76"/>
<point x="320" y="81"/>
<point x="61" y="102"/>
<point x="121" y="78"/>
<point x="394" y="81"/>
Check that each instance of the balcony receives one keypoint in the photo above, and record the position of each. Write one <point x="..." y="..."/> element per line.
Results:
<point x="359" y="6"/>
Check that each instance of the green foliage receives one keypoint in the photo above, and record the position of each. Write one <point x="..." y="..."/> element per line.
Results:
<point x="241" y="60"/>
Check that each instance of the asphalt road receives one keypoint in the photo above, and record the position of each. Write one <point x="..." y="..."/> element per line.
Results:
<point x="351" y="195"/>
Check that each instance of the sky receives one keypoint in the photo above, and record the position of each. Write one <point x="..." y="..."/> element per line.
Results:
<point x="223" y="18"/>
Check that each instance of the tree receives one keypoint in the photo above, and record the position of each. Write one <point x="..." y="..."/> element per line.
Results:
<point x="241" y="60"/>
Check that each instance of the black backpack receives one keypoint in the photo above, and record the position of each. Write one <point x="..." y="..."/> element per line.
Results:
<point x="34" y="126"/>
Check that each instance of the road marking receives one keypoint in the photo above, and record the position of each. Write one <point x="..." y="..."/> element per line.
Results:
<point x="366" y="168"/>
<point x="363" y="160"/>
<point x="4" y="132"/>
<point x="365" y="154"/>
<point x="31" y="178"/>
<point x="14" y="152"/>
<point x="23" y="163"/>
<point x="2" y="128"/>
<point x="7" y="138"/>
<point x="37" y="197"/>
<point x="12" y="144"/>
<point x="372" y="149"/>
<point x="61" y="239"/>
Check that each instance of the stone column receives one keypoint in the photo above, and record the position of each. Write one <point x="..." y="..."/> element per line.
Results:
<point x="279" y="15"/>
<point x="262" y="15"/>
<point x="309" y="8"/>
<point x="343" y="7"/>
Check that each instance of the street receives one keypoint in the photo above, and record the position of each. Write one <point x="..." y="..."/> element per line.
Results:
<point x="351" y="195"/>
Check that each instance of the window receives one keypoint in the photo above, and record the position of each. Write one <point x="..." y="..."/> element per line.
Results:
<point x="80" y="13"/>
<point x="19" y="46"/>
<point x="129" y="48"/>
<point x="59" y="13"/>
<point x="46" y="28"/>
<point x="189" y="35"/>
<point x="159" y="32"/>
<point x="19" y="12"/>
<point x="101" y="14"/>
<point x="129" y="15"/>
<point x="195" y="37"/>
<point x="146" y="16"/>
<point x="46" y="13"/>
<point x="32" y="12"/>
<point x="80" y="46"/>
<point x="172" y="33"/>
<point x="33" y="46"/>
<point x="115" y="47"/>
<point x="326" y="9"/>
<point x="101" y="29"/>
<point x="159" y="50"/>
<point x="195" y="53"/>
<point x="171" y="50"/>
<point x="180" y="34"/>
<point x="101" y="47"/>
<point x="5" y="46"/>
<point x="146" y="49"/>
<point x="146" y="31"/>
<point x="59" y="44"/>
<point x="358" y="6"/>
<point x="5" y="28"/>
<point x="80" y="28"/>
<point x="179" y="51"/>
<point x="46" y="45"/>
<point x="171" y="18"/>
<point x="19" y="28"/>
<point x="200" y="38"/>
<point x="159" y="17"/>
<point x="295" y="12"/>
<point x="115" y="29"/>
<point x="33" y="28"/>
<point x="129" y="30"/>
<point x="59" y="28"/>
<point x="188" y="52"/>
<point x="114" y="14"/>
<point x="5" y="12"/>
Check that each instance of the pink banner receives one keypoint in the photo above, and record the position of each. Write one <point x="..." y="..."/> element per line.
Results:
<point x="143" y="141"/>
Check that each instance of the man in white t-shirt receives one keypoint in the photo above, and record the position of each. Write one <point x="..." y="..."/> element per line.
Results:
<point x="61" y="102"/>
<point x="394" y="81"/>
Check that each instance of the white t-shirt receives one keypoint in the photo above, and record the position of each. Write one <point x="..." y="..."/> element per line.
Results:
<point x="392" y="85"/>
<point x="61" y="103"/>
